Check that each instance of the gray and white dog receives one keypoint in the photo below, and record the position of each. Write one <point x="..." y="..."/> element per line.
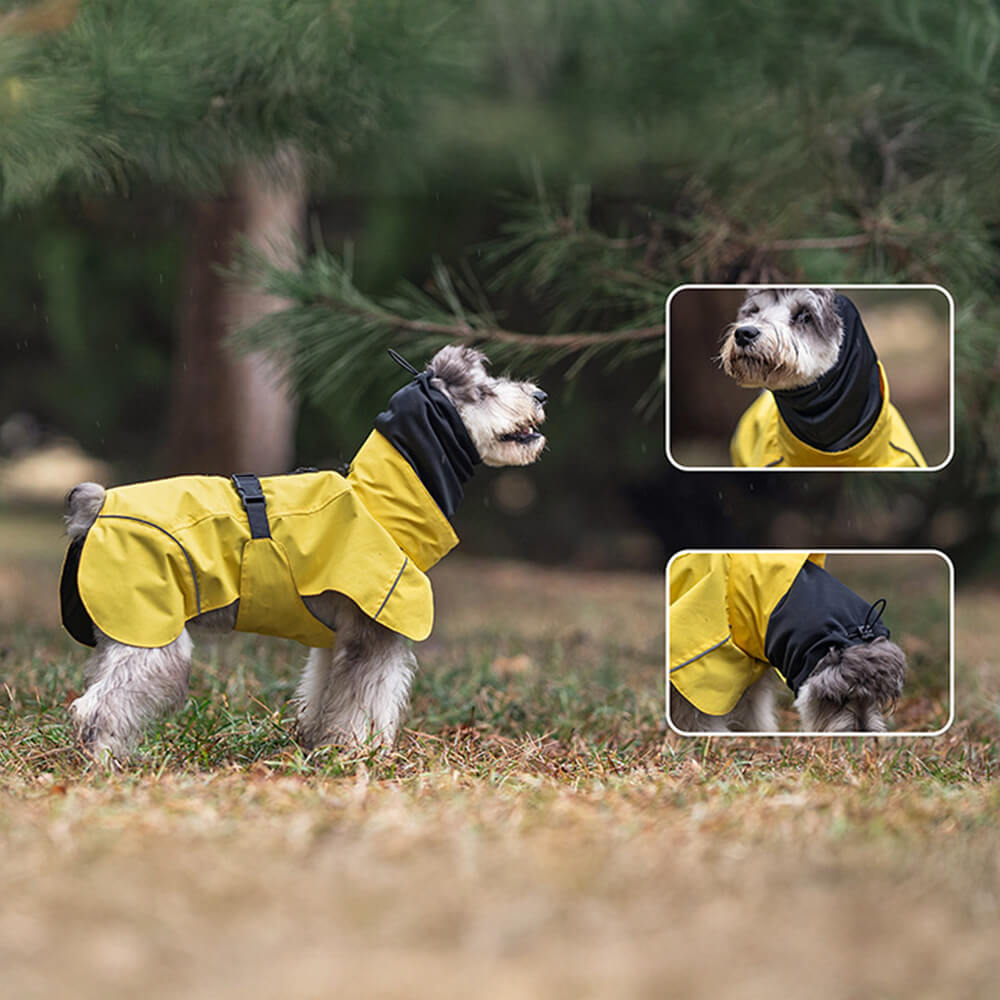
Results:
<point x="826" y="399"/>
<point x="357" y="691"/>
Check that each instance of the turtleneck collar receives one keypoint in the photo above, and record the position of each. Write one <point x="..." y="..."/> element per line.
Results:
<point x="840" y="407"/>
<point x="423" y="425"/>
<point x="818" y="613"/>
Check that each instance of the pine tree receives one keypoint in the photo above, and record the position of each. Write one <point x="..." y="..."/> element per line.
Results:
<point x="238" y="106"/>
<point x="762" y="141"/>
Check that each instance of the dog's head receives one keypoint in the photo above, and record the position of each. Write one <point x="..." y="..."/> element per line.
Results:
<point x="853" y="688"/>
<point x="502" y="416"/>
<point x="783" y="338"/>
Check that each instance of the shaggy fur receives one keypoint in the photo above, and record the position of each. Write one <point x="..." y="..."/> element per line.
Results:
<point x="354" y="693"/>
<point x="783" y="338"/>
<point x="852" y="690"/>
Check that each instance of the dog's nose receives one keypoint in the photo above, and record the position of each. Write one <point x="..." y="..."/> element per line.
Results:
<point x="540" y="396"/>
<point x="745" y="335"/>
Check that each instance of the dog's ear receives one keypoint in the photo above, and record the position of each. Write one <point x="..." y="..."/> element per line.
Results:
<point x="873" y="671"/>
<point x="459" y="371"/>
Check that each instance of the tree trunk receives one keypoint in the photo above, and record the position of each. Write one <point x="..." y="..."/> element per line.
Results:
<point x="231" y="412"/>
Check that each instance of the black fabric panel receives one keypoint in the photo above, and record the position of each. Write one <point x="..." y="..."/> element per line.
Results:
<point x="817" y="614"/>
<point x="424" y="427"/>
<point x="841" y="407"/>
<point x="76" y="619"/>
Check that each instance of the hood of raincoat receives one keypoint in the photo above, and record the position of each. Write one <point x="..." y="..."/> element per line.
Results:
<point x="841" y="407"/>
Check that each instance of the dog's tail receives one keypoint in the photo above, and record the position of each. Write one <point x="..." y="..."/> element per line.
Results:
<point x="83" y="504"/>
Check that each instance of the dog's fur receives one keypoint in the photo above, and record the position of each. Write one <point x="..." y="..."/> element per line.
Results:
<point x="354" y="693"/>
<point x="852" y="690"/>
<point x="783" y="338"/>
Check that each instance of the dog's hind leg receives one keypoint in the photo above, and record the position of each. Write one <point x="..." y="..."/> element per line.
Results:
<point x="128" y="687"/>
<point x="689" y="719"/>
<point x="755" y="711"/>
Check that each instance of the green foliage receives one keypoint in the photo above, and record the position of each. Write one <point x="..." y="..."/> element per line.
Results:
<point x="181" y="91"/>
<point x="640" y="144"/>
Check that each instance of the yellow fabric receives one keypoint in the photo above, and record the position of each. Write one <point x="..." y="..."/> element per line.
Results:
<point x="269" y="600"/>
<point x="763" y="439"/>
<point x="720" y="605"/>
<point x="399" y="501"/>
<point x="162" y="552"/>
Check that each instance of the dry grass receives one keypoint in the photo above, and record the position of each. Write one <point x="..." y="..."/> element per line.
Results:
<point x="537" y="832"/>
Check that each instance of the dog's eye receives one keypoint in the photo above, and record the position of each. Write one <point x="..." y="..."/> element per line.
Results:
<point x="750" y="310"/>
<point x="802" y="316"/>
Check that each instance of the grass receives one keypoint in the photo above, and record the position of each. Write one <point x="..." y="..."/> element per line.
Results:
<point x="536" y="832"/>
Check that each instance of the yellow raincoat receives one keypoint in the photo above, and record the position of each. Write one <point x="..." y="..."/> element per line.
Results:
<point x="763" y="440"/>
<point x="720" y="606"/>
<point x="163" y="552"/>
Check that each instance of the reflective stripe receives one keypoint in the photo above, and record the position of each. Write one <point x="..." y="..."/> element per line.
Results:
<point x="391" y="589"/>
<point x="700" y="655"/>
<point x="150" y="524"/>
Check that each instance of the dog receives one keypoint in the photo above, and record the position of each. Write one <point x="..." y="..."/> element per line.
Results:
<point x="826" y="395"/>
<point x="742" y="625"/>
<point x="337" y="562"/>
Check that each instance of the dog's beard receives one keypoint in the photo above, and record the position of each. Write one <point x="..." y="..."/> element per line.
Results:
<point x="753" y="368"/>
<point x="853" y="689"/>
<point x="820" y="715"/>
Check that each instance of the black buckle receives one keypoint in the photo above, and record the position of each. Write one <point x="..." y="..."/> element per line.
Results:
<point x="249" y="489"/>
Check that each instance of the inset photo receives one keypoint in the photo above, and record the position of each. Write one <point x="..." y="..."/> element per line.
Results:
<point x="810" y="377"/>
<point x="810" y="643"/>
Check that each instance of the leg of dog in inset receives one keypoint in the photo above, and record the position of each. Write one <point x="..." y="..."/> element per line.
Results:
<point x="755" y="712"/>
<point x="853" y="689"/>
<point x="127" y="688"/>
<point x="357" y="691"/>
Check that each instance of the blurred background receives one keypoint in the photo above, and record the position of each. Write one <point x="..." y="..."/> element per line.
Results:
<point x="909" y="328"/>
<point x="216" y="217"/>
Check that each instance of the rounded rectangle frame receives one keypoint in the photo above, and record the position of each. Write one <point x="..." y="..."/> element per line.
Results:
<point x="846" y="287"/>
<point x="892" y="734"/>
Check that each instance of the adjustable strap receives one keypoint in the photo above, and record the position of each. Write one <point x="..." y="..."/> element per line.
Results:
<point x="250" y="492"/>
<point x="402" y="362"/>
<point x="869" y="629"/>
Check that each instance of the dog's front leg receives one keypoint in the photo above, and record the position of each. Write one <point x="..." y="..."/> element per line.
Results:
<point x="311" y="696"/>
<point x="357" y="692"/>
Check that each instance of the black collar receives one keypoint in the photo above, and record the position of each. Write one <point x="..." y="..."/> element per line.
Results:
<point x="422" y="424"/>
<point x="818" y="613"/>
<point x="840" y="407"/>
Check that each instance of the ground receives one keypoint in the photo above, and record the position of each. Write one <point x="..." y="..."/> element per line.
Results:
<point x="538" y="832"/>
